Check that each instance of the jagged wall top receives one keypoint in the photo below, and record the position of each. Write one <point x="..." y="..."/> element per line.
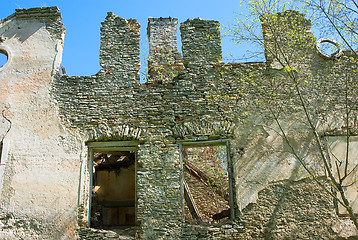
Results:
<point x="35" y="13"/>
<point x="120" y="45"/>
<point x="201" y="41"/>
<point x="287" y="34"/>
<point x="50" y="16"/>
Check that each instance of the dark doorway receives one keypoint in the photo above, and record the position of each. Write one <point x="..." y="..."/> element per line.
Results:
<point x="113" y="189"/>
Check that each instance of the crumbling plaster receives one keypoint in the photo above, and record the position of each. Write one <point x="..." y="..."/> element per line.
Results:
<point x="40" y="163"/>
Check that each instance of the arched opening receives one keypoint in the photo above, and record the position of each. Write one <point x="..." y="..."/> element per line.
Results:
<point x="3" y="57"/>
<point x="328" y="48"/>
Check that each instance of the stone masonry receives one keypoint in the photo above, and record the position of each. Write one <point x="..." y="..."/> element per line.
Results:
<point x="50" y="121"/>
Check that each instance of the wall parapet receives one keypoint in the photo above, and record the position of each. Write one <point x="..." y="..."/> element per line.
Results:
<point x="201" y="41"/>
<point x="120" y="50"/>
<point x="34" y="13"/>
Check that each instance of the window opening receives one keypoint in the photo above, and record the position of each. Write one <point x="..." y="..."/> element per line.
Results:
<point x="328" y="48"/>
<point x="3" y="58"/>
<point x="337" y="150"/>
<point x="206" y="184"/>
<point x="113" y="189"/>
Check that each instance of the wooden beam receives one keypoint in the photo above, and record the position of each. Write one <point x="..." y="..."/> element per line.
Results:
<point x="204" y="143"/>
<point x="223" y="214"/>
<point x="194" y="171"/>
<point x="113" y="149"/>
<point x="114" y="144"/>
<point x="115" y="204"/>
<point x="230" y="173"/>
<point x="191" y="203"/>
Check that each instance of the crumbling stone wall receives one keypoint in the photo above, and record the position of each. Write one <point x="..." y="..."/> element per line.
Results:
<point x="202" y="102"/>
<point x="120" y="46"/>
<point x="292" y="210"/>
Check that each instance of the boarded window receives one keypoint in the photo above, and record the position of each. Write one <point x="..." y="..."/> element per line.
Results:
<point x="206" y="184"/>
<point x="337" y="149"/>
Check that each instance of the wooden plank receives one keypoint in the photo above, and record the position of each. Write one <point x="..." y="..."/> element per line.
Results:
<point x="113" y="149"/>
<point x="223" y="214"/>
<point x="201" y="176"/>
<point x="191" y="203"/>
<point x="116" y="204"/>
<point x="230" y="175"/>
<point x="182" y="182"/>
<point x="89" y="207"/>
<point x="114" y="144"/>
<point x="204" y="143"/>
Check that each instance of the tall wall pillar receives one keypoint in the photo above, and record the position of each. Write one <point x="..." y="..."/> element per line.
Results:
<point x="120" y="49"/>
<point x="201" y="41"/>
<point x="164" y="61"/>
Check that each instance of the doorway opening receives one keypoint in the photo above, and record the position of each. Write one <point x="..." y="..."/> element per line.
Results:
<point x="113" y="196"/>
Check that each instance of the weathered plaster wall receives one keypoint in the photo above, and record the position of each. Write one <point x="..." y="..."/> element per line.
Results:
<point x="53" y="116"/>
<point x="41" y="173"/>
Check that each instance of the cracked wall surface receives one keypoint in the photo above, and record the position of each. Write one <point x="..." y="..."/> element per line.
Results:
<point x="194" y="97"/>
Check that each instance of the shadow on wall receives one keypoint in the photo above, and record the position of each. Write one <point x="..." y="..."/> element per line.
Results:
<point x="275" y="215"/>
<point x="23" y="31"/>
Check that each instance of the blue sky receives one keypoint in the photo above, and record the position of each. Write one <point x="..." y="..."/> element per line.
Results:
<point x="82" y="20"/>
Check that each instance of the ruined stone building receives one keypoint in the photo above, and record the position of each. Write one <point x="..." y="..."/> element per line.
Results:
<point x="179" y="157"/>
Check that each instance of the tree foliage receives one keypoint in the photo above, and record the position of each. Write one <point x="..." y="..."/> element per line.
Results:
<point x="302" y="87"/>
